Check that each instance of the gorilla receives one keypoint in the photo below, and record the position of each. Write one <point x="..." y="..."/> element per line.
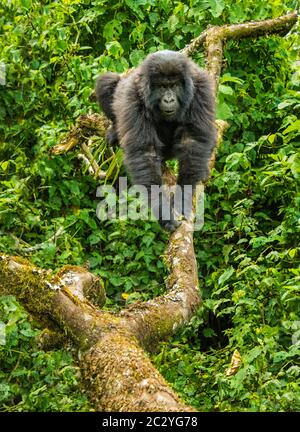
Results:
<point x="164" y="109"/>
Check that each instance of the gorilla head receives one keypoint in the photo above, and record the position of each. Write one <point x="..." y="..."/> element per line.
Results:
<point x="165" y="84"/>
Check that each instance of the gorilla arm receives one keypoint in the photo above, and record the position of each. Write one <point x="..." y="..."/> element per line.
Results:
<point x="141" y="157"/>
<point x="199" y="136"/>
<point x="106" y="85"/>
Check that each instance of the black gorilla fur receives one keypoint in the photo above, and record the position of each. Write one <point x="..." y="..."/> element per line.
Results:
<point x="164" y="109"/>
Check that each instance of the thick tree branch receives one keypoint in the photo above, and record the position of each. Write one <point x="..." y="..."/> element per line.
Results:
<point x="281" y="25"/>
<point x="215" y="36"/>
<point x="121" y="377"/>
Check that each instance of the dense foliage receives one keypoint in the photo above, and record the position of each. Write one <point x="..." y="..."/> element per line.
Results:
<point x="30" y="378"/>
<point x="248" y="251"/>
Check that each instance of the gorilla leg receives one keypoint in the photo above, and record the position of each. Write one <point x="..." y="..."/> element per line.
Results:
<point x="193" y="168"/>
<point x="145" y="170"/>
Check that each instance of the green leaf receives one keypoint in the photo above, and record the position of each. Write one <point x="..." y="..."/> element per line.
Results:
<point x="134" y="5"/>
<point x="216" y="7"/>
<point x="136" y="57"/>
<point x="173" y="23"/>
<point x="225" y="89"/>
<point x="253" y="354"/>
<point x="226" y="275"/>
<point x="224" y="111"/>
<point x="114" y="49"/>
<point x="112" y="30"/>
<point x="228" y="78"/>
<point x="295" y="126"/>
<point x="4" y="165"/>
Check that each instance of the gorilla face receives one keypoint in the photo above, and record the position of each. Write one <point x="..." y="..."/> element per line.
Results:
<point x="165" y="85"/>
<point x="166" y="95"/>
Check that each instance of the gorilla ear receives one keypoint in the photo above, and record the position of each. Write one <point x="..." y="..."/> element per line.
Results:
<point x="142" y="83"/>
<point x="189" y="89"/>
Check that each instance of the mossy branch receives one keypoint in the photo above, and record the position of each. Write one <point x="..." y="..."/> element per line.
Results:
<point x="215" y="37"/>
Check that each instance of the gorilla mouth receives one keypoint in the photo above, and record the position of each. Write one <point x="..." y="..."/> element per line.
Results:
<point x="169" y="113"/>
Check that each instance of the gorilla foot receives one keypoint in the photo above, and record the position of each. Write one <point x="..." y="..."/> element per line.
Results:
<point x="170" y="225"/>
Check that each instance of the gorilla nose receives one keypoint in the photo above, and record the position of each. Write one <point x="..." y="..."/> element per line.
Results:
<point x="169" y="100"/>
